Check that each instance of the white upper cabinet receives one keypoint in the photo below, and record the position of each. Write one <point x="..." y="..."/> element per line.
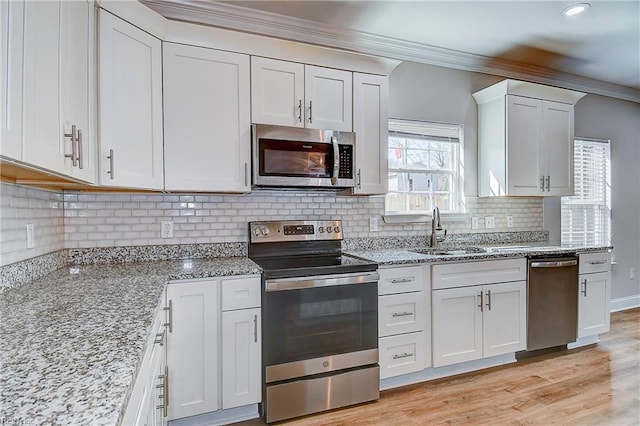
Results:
<point x="11" y="36"/>
<point x="293" y="94"/>
<point x="525" y="139"/>
<point x="371" y="124"/>
<point x="207" y="125"/>
<point x="58" y="88"/>
<point x="130" y="93"/>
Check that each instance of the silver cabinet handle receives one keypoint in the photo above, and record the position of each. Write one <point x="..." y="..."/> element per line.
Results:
<point x="481" y="302"/>
<point x="169" y="323"/>
<point x="404" y="355"/>
<point x="542" y="183"/>
<point x="160" y="337"/>
<point x="310" y="111"/>
<point x="402" y="314"/>
<point x="300" y="111"/>
<point x="111" y="171"/>
<point x="255" y="328"/>
<point x="246" y="174"/>
<point x="548" y="183"/>
<point x="360" y="178"/>
<point x="165" y="391"/>
<point x="74" y="146"/>
<point x="489" y="299"/>
<point x="584" y="287"/>
<point x="79" y="140"/>
<point x="598" y="262"/>
<point x="402" y="280"/>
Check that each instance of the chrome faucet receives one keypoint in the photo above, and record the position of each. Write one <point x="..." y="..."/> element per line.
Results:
<point x="436" y="226"/>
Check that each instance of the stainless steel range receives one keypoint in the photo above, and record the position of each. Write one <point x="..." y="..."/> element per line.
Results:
<point x="320" y="319"/>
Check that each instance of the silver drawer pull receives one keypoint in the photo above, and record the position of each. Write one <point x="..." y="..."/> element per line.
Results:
<point x="401" y="280"/>
<point x="404" y="355"/>
<point x="160" y="338"/>
<point x="598" y="262"/>
<point x="402" y="314"/>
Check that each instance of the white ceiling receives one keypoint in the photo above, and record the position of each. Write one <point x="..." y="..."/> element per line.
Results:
<point x="599" y="48"/>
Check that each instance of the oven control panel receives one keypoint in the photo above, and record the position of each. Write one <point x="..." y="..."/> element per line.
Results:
<point x="293" y="230"/>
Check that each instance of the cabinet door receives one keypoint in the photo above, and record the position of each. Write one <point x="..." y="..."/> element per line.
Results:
<point x="329" y="98"/>
<point x="371" y="123"/>
<point x="402" y="354"/>
<point x="130" y="93"/>
<point x="557" y="148"/>
<point x="241" y="359"/>
<point x="457" y="325"/>
<point x="192" y="348"/>
<point x="277" y="92"/>
<point x="76" y="86"/>
<point x="44" y="145"/>
<point x="594" y="304"/>
<point x="400" y="313"/>
<point x="207" y="127"/>
<point x="504" y="321"/>
<point x="12" y="41"/>
<point x="524" y="133"/>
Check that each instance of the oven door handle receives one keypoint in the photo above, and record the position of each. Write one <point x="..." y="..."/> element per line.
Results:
<point x="294" y="283"/>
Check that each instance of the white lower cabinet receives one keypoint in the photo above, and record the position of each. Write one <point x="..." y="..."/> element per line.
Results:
<point x="213" y="344"/>
<point x="471" y="322"/>
<point x="594" y="296"/>
<point x="403" y="320"/>
<point x="148" y="400"/>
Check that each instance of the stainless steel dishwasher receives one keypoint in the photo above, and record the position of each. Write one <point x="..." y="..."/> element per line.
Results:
<point x="552" y="301"/>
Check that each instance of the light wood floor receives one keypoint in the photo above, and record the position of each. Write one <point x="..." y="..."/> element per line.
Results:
<point x="596" y="385"/>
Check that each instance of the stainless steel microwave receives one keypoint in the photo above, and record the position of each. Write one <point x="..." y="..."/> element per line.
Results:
<point x="294" y="157"/>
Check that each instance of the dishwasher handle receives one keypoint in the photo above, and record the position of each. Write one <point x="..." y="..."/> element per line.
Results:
<point x="553" y="264"/>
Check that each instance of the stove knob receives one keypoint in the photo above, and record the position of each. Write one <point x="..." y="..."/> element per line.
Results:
<point x="336" y="230"/>
<point x="265" y="232"/>
<point x="329" y="229"/>
<point x="321" y="229"/>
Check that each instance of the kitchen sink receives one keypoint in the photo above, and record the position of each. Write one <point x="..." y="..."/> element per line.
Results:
<point x="452" y="252"/>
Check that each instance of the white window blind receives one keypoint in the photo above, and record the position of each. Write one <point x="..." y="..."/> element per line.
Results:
<point x="424" y="167"/>
<point x="586" y="216"/>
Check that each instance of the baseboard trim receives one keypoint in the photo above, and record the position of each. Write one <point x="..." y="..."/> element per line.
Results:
<point x="449" y="370"/>
<point x="221" y="417"/>
<point x="624" y="303"/>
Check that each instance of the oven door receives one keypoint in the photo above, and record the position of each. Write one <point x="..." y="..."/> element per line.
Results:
<point x="315" y="325"/>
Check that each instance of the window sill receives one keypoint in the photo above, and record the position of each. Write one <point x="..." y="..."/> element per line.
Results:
<point x="424" y="218"/>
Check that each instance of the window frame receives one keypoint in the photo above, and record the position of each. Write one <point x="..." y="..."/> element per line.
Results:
<point x="603" y="204"/>
<point x="457" y="174"/>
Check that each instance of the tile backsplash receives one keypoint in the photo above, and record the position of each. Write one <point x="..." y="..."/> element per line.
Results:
<point x="74" y="220"/>
<point x="21" y="205"/>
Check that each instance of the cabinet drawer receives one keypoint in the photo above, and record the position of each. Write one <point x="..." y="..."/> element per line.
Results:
<point x="594" y="262"/>
<point x="402" y="354"/>
<point x="400" y="313"/>
<point x="477" y="273"/>
<point x="401" y="279"/>
<point x="240" y="293"/>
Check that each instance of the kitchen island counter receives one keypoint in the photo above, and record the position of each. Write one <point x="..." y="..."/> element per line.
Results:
<point x="73" y="339"/>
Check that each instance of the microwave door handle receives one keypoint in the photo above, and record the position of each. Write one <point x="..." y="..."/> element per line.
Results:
<point x="336" y="160"/>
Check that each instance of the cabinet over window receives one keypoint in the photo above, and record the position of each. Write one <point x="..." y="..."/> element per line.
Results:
<point x="525" y="139"/>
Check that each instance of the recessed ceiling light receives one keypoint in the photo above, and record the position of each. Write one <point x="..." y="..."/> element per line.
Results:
<point x="576" y="9"/>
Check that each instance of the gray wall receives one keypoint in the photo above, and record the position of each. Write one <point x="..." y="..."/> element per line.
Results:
<point x="425" y="92"/>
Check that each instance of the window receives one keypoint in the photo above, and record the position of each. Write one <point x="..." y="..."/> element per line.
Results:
<point x="586" y="217"/>
<point x="424" y="168"/>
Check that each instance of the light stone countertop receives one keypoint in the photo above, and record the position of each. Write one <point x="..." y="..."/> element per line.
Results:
<point x="73" y="340"/>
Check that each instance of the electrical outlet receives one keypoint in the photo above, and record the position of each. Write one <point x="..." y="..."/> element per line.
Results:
<point x="31" y="236"/>
<point x="373" y="224"/>
<point x="489" y="222"/>
<point x="632" y="273"/>
<point x="509" y="221"/>
<point x="166" y="229"/>
<point x="474" y="223"/>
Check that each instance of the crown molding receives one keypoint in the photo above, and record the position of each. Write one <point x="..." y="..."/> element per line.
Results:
<point x="238" y="18"/>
